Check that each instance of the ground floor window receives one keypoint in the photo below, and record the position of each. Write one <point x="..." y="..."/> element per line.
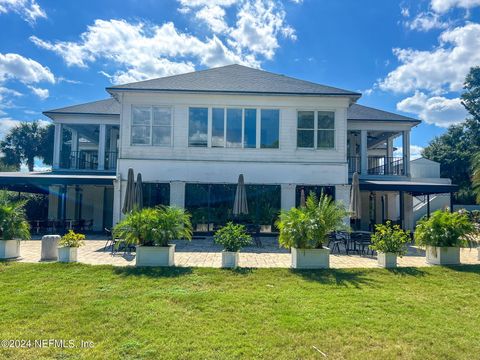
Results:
<point x="211" y="205"/>
<point x="156" y="194"/>
<point x="317" y="190"/>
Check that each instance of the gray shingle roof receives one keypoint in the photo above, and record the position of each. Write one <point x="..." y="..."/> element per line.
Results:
<point x="360" y="112"/>
<point x="100" y="107"/>
<point x="234" y="79"/>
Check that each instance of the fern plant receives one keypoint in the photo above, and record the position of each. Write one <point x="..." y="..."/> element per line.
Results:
<point x="154" y="226"/>
<point x="308" y="227"/>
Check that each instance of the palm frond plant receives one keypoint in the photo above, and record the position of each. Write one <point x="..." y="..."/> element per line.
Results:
<point x="154" y="226"/>
<point x="13" y="221"/>
<point x="308" y="227"/>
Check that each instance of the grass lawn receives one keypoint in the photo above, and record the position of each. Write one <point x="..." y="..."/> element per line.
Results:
<point x="428" y="313"/>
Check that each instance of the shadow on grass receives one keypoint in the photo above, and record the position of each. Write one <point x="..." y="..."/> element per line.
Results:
<point x="470" y="268"/>
<point x="156" y="272"/>
<point x="356" y="278"/>
<point x="407" y="271"/>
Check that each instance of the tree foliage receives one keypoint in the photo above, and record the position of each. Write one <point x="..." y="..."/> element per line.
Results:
<point x="25" y="142"/>
<point x="456" y="148"/>
<point x="232" y="237"/>
<point x="13" y="222"/>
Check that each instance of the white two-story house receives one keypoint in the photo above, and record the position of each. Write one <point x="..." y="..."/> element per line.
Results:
<point x="192" y="135"/>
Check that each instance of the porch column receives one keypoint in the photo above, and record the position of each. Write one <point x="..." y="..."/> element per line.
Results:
<point x="177" y="194"/>
<point x="407" y="207"/>
<point x="117" y="200"/>
<point x="74" y="148"/>
<point x="342" y="194"/>
<point x="101" y="146"/>
<point x="406" y="151"/>
<point x="57" y="145"/>
<point x="363" y="152"/>
<point x="287" y="196"/>
<point x="390" y="147"/>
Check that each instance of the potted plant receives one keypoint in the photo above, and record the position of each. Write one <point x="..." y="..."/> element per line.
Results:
<point x="443" y="234"/>
<point x="305" y="230"/>
<point x="232" y="237"/>
<point x="13" y="226"/>
<point x="152" y="230"/>
<point x="389" y="242"/>
<point x="69" y="244"/>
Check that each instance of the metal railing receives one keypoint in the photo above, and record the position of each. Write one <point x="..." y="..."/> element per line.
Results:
<point x="384" y="165"/>
<point x="84" y="160"/>
<point x="377" y="165"/>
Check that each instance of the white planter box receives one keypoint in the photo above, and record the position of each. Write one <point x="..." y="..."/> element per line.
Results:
<point x="387" y="260"/>
<point x="443" y="255"/>
<point x="478" y="256"/>
<point x="155" y="255"/>
<point x="67" y="254"/>
<point x="9" y="249"/>
<point x="229" y="259"/>
<point x="310" y="258"/>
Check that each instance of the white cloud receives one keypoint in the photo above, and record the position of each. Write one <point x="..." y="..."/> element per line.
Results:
<point x="439" y="70"/>
<point x="436" y="110"/>
<point x="415" y="152"/>
<point x="29" y="10"/>
<point x="41" y="93"/>
<point x="25" y="70"/>
<point x="426" y="21"/>
<point x="442" y="6"/>
<point x="142" y="50"/>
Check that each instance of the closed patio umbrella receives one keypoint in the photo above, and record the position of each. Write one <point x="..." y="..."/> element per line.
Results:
<point x="355" y="199"/>
<point x="138" y="204"/>
<point x="302" y="198"/>
<point x="129" y="193"/>
<point x="240" y="206"/>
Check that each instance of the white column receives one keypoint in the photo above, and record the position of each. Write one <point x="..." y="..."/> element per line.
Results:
<point x="363" y="152"/>
<point x="287" y="196"/>
<point x="406" y="151"/>
<point x="342" y="195"/>
<point x="177" y="194"/>
<point x="117" y="200"/>
<point x="101" y="146"/>
<point x="57" y="145"/>
<point x="408" y="211"/>
<point x="390" y="147"/>
<point x="74" y="148"/>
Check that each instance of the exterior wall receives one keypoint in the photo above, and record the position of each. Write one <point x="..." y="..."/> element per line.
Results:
<point x="424" y="168"/>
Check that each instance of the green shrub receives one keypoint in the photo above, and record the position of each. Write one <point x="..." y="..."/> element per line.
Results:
<point x="154" y="226"/>
<point x="232" y="237"/>
<point x="390" y="239"/>
<point x="72" y="239"/>
<point x="445" y="228"/>
<point x="13" y="222"/>
<point x="308" y="227"/>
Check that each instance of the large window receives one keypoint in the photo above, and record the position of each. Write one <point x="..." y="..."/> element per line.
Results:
<point x="218" y="127"/>
<point x="151" y="125"/>
<point x="198" y="127"/>
<point x="250" y="133"/>
<point x="316" y="129"/>
<point x="269" y="128"/>
<point x="234" y="128"/>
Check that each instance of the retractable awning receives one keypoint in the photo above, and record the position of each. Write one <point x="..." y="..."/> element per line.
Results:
<point x="413" y="187"/>
<point x="39" y="182"/>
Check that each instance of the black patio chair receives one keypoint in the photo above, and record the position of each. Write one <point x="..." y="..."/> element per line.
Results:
<point x="254" y="231"/>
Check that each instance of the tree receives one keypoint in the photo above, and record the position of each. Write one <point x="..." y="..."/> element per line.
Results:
<point x="455" y="150"/>
<point x="476" y="176"/>
<point x="23" y="143"/>
<point x="471" y="96"/>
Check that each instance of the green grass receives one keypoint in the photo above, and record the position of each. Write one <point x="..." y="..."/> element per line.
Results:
<point x="429" y="313"/>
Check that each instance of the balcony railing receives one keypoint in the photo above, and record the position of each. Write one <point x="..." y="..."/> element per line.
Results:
<point x="378" y="165"/>
<point x="83" y="160"/>
<point x="384" y="165"/>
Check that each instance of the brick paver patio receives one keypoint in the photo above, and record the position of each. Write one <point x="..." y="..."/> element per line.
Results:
<point x="204" y="253"/>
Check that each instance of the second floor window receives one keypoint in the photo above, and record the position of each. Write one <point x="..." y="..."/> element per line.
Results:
<point x="151" y="125"/>
<point x="198" y="127"/>
<point x="316" y="129"/>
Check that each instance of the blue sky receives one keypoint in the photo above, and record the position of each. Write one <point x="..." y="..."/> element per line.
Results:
<point x="409" y="57"/>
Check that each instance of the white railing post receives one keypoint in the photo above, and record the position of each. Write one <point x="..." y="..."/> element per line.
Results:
<point x="101" y="146"/>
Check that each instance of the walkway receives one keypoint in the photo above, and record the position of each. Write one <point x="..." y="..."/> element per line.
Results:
<point x="204" y="253"/>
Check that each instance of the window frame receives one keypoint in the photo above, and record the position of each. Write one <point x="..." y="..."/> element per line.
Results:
<point x="316" y="129"/>
<point x="151" y="126"/>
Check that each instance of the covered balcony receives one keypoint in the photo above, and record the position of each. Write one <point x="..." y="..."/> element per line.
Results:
<point x="86" y="147"/>
<point x="372" y="153"/>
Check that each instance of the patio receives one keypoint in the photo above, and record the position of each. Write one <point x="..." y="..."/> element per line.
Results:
<point x="204" y="253"/>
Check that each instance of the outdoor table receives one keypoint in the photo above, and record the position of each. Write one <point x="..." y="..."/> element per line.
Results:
<point x="50" y="247"/>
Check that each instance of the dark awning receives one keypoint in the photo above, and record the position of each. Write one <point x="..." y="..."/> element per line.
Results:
<point x="415" y="188"/>
<point x="39" y="182"/>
